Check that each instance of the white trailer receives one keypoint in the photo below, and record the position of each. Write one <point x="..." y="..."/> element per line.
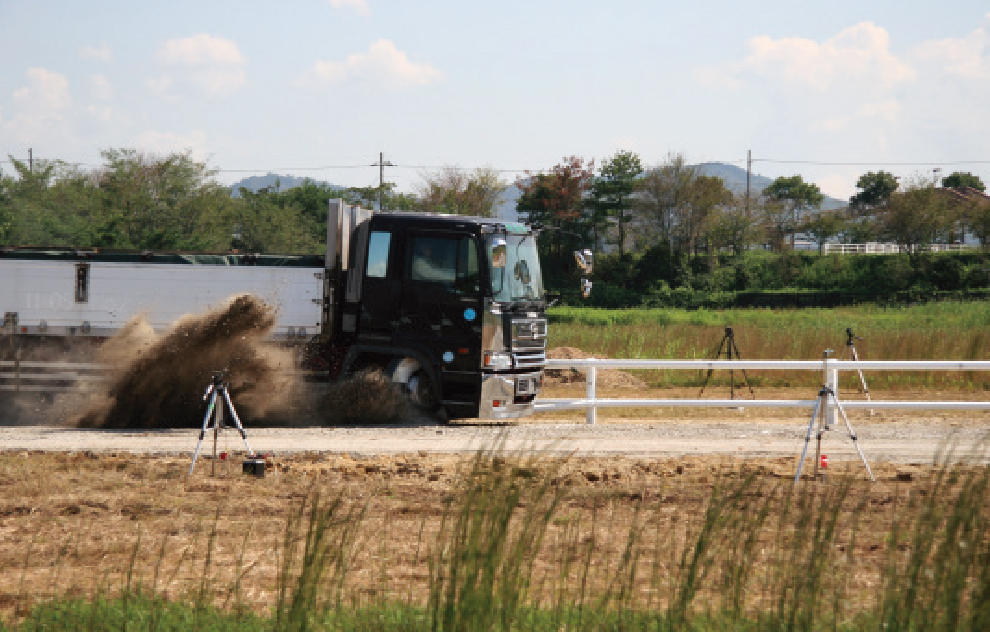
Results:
<point x="68" y="293"/>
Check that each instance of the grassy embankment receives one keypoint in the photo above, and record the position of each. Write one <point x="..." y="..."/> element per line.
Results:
<point x="513" y="546"/>
<point x="935" y="331"/>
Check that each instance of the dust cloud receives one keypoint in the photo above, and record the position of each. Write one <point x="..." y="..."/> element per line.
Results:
<point x="158" y="381"/>
<point x="365" y="399"/>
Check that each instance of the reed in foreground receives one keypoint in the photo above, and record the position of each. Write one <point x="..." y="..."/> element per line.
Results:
<point x="518" y="547"/>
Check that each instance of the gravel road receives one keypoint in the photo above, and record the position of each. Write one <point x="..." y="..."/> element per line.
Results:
<point x="882" y="440"/>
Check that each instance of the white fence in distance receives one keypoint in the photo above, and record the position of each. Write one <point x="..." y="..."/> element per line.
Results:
<point x="875" y="248"/>
<point x="830" y="369"/>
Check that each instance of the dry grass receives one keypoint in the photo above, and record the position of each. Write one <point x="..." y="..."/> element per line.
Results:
<point x="79" y="524"/>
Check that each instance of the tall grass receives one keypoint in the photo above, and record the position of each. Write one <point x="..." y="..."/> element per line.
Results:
<point x="936" y="331"/>
<point x="763" y="554"/>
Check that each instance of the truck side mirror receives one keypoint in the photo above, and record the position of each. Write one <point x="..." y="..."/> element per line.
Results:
<point x="585" y="260"/>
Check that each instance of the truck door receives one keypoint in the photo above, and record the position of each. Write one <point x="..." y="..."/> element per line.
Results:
<point x="381" y="289"/>
<point x="441" y="297"/>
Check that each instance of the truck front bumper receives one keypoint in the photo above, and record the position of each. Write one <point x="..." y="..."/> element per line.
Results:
<point x="508" y="395"/>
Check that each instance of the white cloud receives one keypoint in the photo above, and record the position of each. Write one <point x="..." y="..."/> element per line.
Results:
<point x="160" y="143"/>
<point x="858" y="55"/>
<point x="98" y="53"/>
<point x="967" y="57"/>
<point x="103" y="113"/>
<point x="47" y="92"/>
<point x="383" y="64"/>
<point x="41" y="107"/>
<point x="201" y="64"/>
<point x="199" y="50"/>
<point x="852" y="98"/>
<point x="359" y="6"/>
<point x="100" y="88"/>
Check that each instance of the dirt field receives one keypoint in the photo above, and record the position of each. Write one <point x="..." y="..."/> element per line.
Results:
<point x="81" y="510"/>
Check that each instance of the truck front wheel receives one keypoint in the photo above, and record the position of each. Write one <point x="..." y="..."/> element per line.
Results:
<point x="415" y="382"/>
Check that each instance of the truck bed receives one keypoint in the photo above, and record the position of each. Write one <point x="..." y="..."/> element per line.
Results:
<point x="40" y="295"/>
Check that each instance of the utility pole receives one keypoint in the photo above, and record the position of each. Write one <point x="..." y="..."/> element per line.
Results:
<point x="381" y="164"/>
<point x="30" y="160"/>
<point x="749" y="171"/>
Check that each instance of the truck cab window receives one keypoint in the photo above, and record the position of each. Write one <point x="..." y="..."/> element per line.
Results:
<point x="378" y="247"/>
<point x="450" y="261"/>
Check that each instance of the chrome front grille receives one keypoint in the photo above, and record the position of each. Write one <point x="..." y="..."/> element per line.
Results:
<point x="529" y="342"/>
<point x="530" y="359"/>
<point x="529" y="333"/>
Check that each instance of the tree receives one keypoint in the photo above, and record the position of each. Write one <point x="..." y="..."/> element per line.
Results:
<point x="6" y="216"/>
<point x="703" y="196"/>
<point x="385" y="193"/>
<point x="453" y="190"/>
<point x="917" y="217"/>
<point x="979" y="222"/>
<point x="53" y="204"/>
<point x="959" y="180"/>
<point x="663" y="194"/>
<point x="556" y="200"/>
<point x="611" y="193"/>
<point x="734" y="225"/>
<point x="272" y="222"/>
<point x="790" y="197"/>
<point x="822" y="227"/>
<point x="860" y="230"/>
<point x="875" y="191"/>
<point x="162" y="202"/>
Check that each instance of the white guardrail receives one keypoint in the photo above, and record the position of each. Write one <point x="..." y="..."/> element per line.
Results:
<point x="62" y="377"/>
<point x="831" y="368"/>
<point x="33" y="376"/>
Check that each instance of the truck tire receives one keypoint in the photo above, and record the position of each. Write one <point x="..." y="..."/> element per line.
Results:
<point x="415" y="382"/>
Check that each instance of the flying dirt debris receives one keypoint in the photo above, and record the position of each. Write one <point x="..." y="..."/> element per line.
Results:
<point x="158" y="381"/>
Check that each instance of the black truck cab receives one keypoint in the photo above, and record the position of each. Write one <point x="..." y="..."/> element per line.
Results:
<point x="450" y="307"/>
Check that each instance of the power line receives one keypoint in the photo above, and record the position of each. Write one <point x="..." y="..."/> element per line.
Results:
<point x="823" y="163"/>
<point x="874" y="164"/>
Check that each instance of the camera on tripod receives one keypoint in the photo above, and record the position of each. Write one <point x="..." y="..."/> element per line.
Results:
<point x="219" y="400"/>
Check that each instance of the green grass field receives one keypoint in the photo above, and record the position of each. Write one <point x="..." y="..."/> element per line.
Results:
<point x="935" y="331"/>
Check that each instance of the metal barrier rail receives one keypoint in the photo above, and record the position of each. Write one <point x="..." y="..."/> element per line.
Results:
<point x="591" y="403"/>
<point x="61" y="377"/>
<point x="56" y="377"/>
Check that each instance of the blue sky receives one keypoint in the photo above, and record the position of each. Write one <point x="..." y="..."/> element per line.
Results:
<point x="253" y="87"/>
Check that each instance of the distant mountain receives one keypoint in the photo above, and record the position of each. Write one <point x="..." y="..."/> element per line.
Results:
<point x="735" y="180"/>
<point x="273" y="181"/>
<point x="733" y="176"/>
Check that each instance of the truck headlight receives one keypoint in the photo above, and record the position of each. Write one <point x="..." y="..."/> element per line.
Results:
<point x="498" y="360"/>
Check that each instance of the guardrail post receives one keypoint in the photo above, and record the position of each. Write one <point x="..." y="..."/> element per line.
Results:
<point x="591" y="410"/>
<point x="833" y="410"/>
<point x="17" y="365"/>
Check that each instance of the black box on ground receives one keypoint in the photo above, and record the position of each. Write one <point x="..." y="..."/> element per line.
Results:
<point x="255" y="467"/>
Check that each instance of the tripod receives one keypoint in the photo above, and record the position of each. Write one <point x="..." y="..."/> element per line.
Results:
<point x="214" y="412"/>
<point x="820" y="412"/>
<point x="728" y="343"/>
<point x="850" y="353"/>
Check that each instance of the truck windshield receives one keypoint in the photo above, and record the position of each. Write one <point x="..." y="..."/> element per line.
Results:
<point x="515" y="268"/>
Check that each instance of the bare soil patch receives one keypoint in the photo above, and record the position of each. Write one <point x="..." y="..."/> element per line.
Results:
<point x="78" y="523"/>
<point x="606" y="378"/>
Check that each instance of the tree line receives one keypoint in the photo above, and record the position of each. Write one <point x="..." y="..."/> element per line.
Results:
<point x="627" y="207"/>
<point x="135" y="200"/>
<point x="658" y="227"/>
